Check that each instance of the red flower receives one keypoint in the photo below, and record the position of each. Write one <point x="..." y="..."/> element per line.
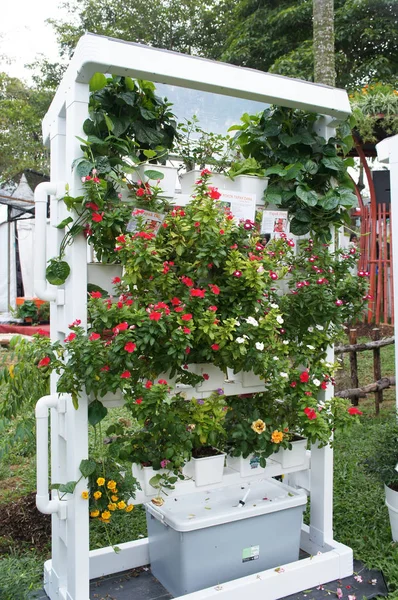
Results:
<point x="214" y="288"/>
<point x="104" y="368"/>
<point x="97" y="217"/>
<point x="212" y="308"/>
<point x="205" y="376"/>
<point x="237" y="273"/>
<point x="138" y="401"/>
<point x="186" y="317"/>
<point x="161" y="305"/>
<point x="70" y="337"/>
<point x="308" y="393"/>
<point x="130" y="347"/>
<point x="187" y="350"/>
<point x="214" y="193"/>
<point x="310" y="412"/>
<point x="44" y="362"/>
<point x="75" y="323"/>
<point x="155" y="316"/>
<point x="179" y="308"/>
<point x="125" y="375"/>
<point x="140" y="192"/>
<point x="121" y="327"/>
<point x="293" y="384"/>
<point x="353" y="410"/>
<point x="324" y="385"/>
<point x="175" y="301"/>
<point x="120" y="304"/>
<point x="222" y="231"/>
<point x="116" y="280"/>
<point x="187" y="280"/>
<point x="304" y="377"/>
<point x="205" y="172"/>
<point x="148" y="385"/>
<point x="96" y="295"/>
<point x="187" y="330"/>
<point x="215" y="347"/>
<point x="92" y="205"/>
<point x="162" y="382"/>
<point x="121" y="239"/>
<point x="273" y="275"/>
<point x="42" y="332"/>
<point x="196" y="293"/>
<point x="94" y="337"/>
<point x="196" y="224"/>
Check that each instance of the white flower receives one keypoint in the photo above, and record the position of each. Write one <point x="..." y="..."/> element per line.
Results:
<point x="260" y="345"/>
<point x="319" y="327"/>
<point x="310" y="329"/>
<point x="275" y="358"/>
<point x="260" y="269"/>
<point x="252" y="321"/>
<point x="279" y="319"/>
<point x="316" y="382"/>
<point x="240" y="340"/>
<point x="282" y="374"/>
<point x="322" y="360"/>
<point x="237" y="323"/>
<point x="273" y="305"/>
<point x="310" y="347"/>
<point x="286" y="342"/>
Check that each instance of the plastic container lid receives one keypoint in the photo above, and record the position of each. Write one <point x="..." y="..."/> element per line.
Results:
<point x="218" y="506"/>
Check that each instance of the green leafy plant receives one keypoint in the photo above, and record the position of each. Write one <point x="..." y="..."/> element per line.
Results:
<point x="27" y="310"/>
<point x="375" y="108"/>
<point x="198" y="148"/>
<point x="383" y="457"/>
<point x="307" y="175"/>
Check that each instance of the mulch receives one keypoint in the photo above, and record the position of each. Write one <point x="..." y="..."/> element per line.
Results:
<point x="22" y="525"/>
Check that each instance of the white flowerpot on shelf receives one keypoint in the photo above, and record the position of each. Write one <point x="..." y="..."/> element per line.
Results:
<point x="294" y="457"/>
<point x="251" y="184"/>
<point x="207" y="470"/>
<point x="245" y="466"/>
<point x="102" y="274"/>
<point x="392" y="505"/>
<point x="167" y="184"/>
<point x="217" y="180"/>
<point x="144" y="475"/>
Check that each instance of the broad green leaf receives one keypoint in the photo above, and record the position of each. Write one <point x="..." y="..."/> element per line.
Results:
<point x="67" y="488"/>
<point x="109" y="123"/>
<point x="87" y="467"/>
<point x="129" y="98"/>
<point x="149" y="153"/>
<point x="75" y="400"/>
<point x="299" y="227"/>
<point x="57" y="271"/>
<point x="64" y="223"/>
<point x="311" y="167"/>
<point x="333" y="163"/>
<point x="275" y="170"/>
<point x="97" y="82"/>
<point x="96" y="412"/>
<point x="84" y="168"/>
<point x="309" y="197"/>
<point x="152" y="174"/>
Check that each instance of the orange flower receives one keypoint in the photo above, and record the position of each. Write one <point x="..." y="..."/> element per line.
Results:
<point x="94" y="513"/>
<point x="277" y="436"/>
<point x="129" y="507"/>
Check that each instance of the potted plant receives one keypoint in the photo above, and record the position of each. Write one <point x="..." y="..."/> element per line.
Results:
<point x="375" y="108"/>
<point x="27" y="311"/>
<point x="382" y="464"/>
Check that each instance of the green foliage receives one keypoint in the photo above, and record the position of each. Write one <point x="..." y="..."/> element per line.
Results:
<point x="383" y="458"/>
<point x="197" y="147"/>
<point x="375" y="108"/>
<point x="20" y="575"/>
<point x="308" y="177"/>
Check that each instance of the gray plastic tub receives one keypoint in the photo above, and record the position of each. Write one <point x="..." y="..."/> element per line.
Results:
<point x="204" y="539"/>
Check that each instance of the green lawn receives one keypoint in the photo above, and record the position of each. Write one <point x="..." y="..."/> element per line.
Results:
<point x="360" y="517"/>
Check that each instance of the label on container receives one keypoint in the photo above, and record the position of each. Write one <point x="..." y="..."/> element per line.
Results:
<point x="251" y="553"/>
<point x="254" y="462"/>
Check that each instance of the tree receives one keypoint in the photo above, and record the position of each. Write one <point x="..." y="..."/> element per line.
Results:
<point x="21" y="111"/>
<point x="188" y="26"/>
<point x="276" y="36"/>
<point x="323" y="45"/>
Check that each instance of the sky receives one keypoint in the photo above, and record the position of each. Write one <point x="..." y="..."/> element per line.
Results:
<point x="24" y="34"/>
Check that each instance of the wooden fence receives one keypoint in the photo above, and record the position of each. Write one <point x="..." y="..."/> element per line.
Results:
<point x="380" y="383"/>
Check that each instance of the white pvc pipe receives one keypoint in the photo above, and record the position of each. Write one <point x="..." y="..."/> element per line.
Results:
<point x="43" y="190"/>
<point x="43" y="502"/>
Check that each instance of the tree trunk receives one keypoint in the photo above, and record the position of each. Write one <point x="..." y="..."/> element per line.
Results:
<point x="324" y="67"/>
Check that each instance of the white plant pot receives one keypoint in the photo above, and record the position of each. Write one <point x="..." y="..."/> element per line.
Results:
<point x="250" y="184"/>
<point x="294" y="457"/>
<point x="208" y="470"/>
<point x="144" y="475"/>
<point x="101" y="274"/>
<point x="167" y="184"/>
<point x="392" y="505"/>
<point x="217" y="180"/>
<point x="245" y="466"/>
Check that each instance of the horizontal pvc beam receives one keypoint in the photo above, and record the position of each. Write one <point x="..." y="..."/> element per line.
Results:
<point x="108" y="55"/>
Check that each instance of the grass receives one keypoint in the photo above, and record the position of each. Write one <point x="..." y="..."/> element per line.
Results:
<point x="360" y="516"/>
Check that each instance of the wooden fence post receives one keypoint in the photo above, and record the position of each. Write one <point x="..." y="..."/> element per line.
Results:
<point x="377" y="369"/>
<point x="354" y="365"/>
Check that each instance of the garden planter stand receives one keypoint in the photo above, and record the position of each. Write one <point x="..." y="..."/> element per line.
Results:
<point x="101" y="274"/>
<point x="208" y="470"/>
<point x="245" y="466"/>
<point x="294" y="457"/>
<point x="245" y="184"/>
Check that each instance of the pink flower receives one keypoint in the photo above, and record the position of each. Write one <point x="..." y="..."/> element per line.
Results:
<point x="130" y="347"/>
<point x="196" y="224"/>
<point x="75" y="323"/>
<point x="215" y="347"/>
<point x="212" y="308"/>
<point x="339" y="303"/>
<point x="44" y="362"/>
<point x="273" y="275"/>
<point x="70" y="337"/>
<point x="339" y="593"/>
<point x="94" y="337"/>
<point x="164" y="463"/>
<point x="186" y="330"/>
<point x="293" y="384"/>
<point x="125" y="375"/>
<point x="205" y="172"/>
<point x="237" y="273"/>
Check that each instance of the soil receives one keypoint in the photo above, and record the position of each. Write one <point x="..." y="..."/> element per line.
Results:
<point x="205" y="452"/>
<point x="365" y="330"/>
<point x="22" y="525"/>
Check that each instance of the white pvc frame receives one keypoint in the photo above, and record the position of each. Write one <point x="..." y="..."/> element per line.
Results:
<point x="67" y="574"/>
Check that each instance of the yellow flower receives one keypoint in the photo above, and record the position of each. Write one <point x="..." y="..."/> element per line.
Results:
<point x="112" y="506"/>
<point x="11" y="371"/>
<point x="114" y="498"/>
<point x="97" y="495"/>
<point x="258" y="426"/>
<point x="121" y="505"/>
<point x="94" y="513"/>
<point x="129" y="507"/>
<point x="111" y="484"/>
<point x="100" y="481"/>
<point x="277" y="436"/>
<point x="106" y="515"/>
<point x="85" y="495"/>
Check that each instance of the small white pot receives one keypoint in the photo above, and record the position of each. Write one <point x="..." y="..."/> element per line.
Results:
<point x="102" y="274"/>
<point x="392" y="505"/>
<point x="217" y="180"/>
<point x="245" y="466"/>
<point x="208" y="470"/>
<point x="144" y="475"/>
<point x="294" y="457"/>
<point x="250" y="184"/>
<point x="167" y="184"/>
